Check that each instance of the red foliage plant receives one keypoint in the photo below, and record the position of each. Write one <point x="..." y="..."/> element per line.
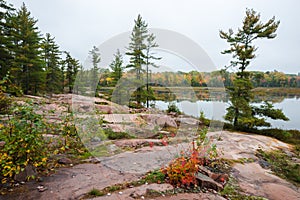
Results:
<point x="181" y="171"/>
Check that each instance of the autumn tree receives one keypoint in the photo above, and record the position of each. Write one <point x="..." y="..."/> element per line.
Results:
<point x="241" y="112"/>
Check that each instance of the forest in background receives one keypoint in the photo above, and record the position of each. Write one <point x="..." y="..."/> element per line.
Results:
<point x="33" y="63"/>
<point x="212" y="79"/>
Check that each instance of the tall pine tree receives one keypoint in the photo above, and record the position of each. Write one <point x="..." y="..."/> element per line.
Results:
<point x="117" y="68"/>
<point x="136" y="49"/>
<point x="5" y="38"/>
<point x="95" y="58"/>
<point x="27" y="66"/>
<point x="72" y="67"/>
<point x="241" y="112"/>
<point x="52" y="60"/>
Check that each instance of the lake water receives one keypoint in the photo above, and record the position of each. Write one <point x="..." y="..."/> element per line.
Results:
<point x="217" y="109"/>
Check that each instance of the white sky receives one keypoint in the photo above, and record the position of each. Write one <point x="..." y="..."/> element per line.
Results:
<point x="80" y="24"/>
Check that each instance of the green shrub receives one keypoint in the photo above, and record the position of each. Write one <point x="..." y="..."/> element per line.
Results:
<point x="96" y="192"/>
<point x="111" y="135"/>
<point x="173" y="108"/>
<point x="135" y="105"/>
<point x="4" y="99"/>
<point x="24" y="144"/>
<point x="297" y="149"/>
<point x="155" y="177"/>
<point x="203" y="119"/>
<point x="289" y="136"/>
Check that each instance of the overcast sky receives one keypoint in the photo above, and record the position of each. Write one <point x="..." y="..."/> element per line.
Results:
<point x="78" y="25"/>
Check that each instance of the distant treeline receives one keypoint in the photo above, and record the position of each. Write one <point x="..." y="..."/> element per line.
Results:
<point x="213" y="79"/>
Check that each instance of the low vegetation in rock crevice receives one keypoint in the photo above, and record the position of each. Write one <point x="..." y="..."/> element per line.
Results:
<point x="111" y="135"/>
<point x="155" y="176"/>
<point x="233" y="192"/>
<point x="284" y="165"/>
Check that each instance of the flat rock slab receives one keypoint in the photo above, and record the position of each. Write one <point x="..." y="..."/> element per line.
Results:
<point x="190" y="196"/>
<point x="255" y="180"/>
<point x="137" y="142"/>
<point x="138" y="192"/>
<point x="232" y="145"/>
<point x="71" y="183"/>
<point x="143" y="160"/>
<point x="120" y="118"/>
<point x="135" y="193"/>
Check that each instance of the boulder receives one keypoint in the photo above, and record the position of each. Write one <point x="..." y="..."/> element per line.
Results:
<point x="160" y="133"/>
<point x="173" y="114"/>
<point x="145" y="132"/>
<point x="65" y="161"/>
<point x="188" y="121"/>
<point x="160" y="120"/>
<point x="264" y="164"/>
<point x="220" y="178"/>
<point x="207" y="182"/>
<point x="86" y="108"/>
<point x="166" y="121"/>
<point x="91" y="160"/>
<point x="105" y="109"/>
<point x="82" y="107"/>
<point x="29" y="171"/>
<point x="116" y="127"/>
<point x="147" y="190"/>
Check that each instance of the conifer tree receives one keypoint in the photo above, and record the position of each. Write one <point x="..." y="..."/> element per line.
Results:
<point x="136" y="50"/>
<point x="241" y="112"/>
<point x="27" y="66"/>
<point x="5" y="38"/>
<point x="120" y="91"/>
<point x="95" y="58"/>
<point x="72" y="67"/>
<point x="52" y="60"/>
<point x="117" y="68"/>
<point x="140" y="52"/>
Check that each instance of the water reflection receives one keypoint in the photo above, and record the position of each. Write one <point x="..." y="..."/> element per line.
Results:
<point x="214" y="109"/>
<point x="217" y="94"/>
